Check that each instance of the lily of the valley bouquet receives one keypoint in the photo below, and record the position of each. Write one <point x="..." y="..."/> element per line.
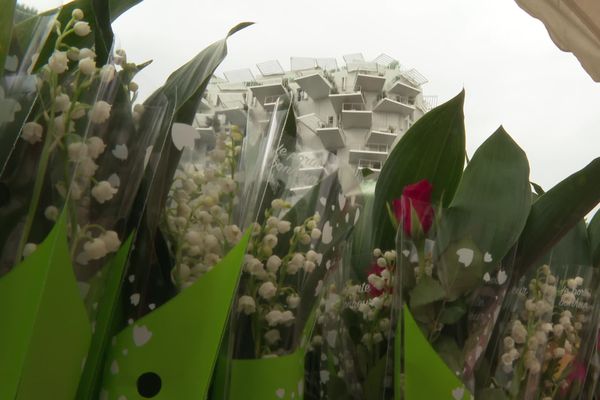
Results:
<point x="300" y="221"/>
<point x="546" y="334"/>
<point x="77" y="154"/>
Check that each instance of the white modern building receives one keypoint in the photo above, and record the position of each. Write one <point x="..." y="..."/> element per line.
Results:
<point x="358" y="110"/>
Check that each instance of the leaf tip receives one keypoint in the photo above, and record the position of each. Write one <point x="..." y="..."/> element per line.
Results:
<point x="239" y="27"/>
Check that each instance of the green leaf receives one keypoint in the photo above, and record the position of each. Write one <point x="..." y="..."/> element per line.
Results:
<point x="118" y="7"/>
<point x="458" y="278"/>
<point x="375" y="380"/>
<point x="362" y="236"/>
<point x="453" y="312"/>
<point x="493" y="198"/>
<point x="572" y="249"/>
<point x="427" y="291"/>
<point x="556" y="212"/>
<point x="99" y="14"/>
<point x="594" y="237"/>
<point x="432" y="149"/>
<point x="6" y="25"/>
<point x="184" y="88"/>
<point x="537" y="188"/>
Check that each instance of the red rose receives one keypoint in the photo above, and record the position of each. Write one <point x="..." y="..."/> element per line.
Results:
<point x="414" y="197"/>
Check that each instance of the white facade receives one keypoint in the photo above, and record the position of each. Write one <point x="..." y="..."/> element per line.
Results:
<point x="359" y="110"/>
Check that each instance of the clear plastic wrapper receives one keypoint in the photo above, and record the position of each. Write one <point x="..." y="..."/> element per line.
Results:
<point x="453" y="278"/>
<point x="69" y="182"/>
<point x="545" y="338"/>
<point x="299" y="215"/>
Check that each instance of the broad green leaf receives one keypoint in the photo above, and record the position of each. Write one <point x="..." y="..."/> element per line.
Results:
<point x="362" y="236"/>
<point x="432" y="149"/>
<point x="461" y="268"/>
<point x="118" y="7"/>
<point x="375" y="380"/>
<point x="572" y="249"/>
<point x="6" y="24"/>
<point x="594" y="238"/>
<point x="427" y="291"/>
<point x="556" y="212"/>
<point x="453" y="312"/>
<point x="99" y="14"/>
<point x="184" y="88"/>
<point x="493" y="198"/>
<point x="537" y="188"/>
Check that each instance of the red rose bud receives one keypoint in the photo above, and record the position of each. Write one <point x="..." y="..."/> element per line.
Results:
<point x="414" y="205"/>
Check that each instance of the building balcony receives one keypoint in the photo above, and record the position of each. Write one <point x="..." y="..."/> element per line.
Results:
<point x="369" y="153"/>
<point x="354" y="115"/>
<point x="369" y="83"/>
<point x="404" y="89"/>
<point x="332" y="137"/>
<point x="396" y="105"/>
<point x="374" y="166"/>
<point x="338" y="99"/>
<point x="270" y="102"/>
<point x="262" y="92"/>
<point x="315" y="85"/>
<point x="234" y="113"/>
<point x="377" y="137"/>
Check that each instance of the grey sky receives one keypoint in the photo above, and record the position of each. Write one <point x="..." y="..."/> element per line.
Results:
<point x="512" y="72"/>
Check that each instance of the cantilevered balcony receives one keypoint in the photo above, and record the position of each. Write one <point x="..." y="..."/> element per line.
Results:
<point x="235" y="113"/>
<point x="338" y="99"/>
<point x="404" y="89"/>
<point x="369" y="153"/>
<point x="354" y="115"/>
<point x="270" y="102"/>
<point x="262" y="92"/>
<point x="315" y="85"/>
<point x="377" y="137"/>
<point x="332" y="137"/>
<point x="369" y="83"/>
<point x="330" y="134"/>
<point x="396" y="104"/>
<point x="374" y="166"/>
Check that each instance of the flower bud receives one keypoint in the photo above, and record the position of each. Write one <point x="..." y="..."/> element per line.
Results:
<point x="82" y="28"/>
<point x="77" y="14"/>
<point x="87" y="66"/>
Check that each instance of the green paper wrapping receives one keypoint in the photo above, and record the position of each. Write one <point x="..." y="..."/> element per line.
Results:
<point x="170" y="353"/>
<point x="268" y="378"/>
<point x="422" y="364"/>
<point x="45" y="330"/>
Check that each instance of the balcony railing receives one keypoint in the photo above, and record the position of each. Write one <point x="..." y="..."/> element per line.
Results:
<point x="353" y="107"/>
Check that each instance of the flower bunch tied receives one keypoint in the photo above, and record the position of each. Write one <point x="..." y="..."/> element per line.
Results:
<point x="545" y="339"/>
<point x="274" y="278"/>
<point x="66" y="134"/>
<point x="198" y="220"/>
<point x="452" y="287"/>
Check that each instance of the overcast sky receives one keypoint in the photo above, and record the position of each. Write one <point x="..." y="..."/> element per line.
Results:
<point x="513" y="73"/>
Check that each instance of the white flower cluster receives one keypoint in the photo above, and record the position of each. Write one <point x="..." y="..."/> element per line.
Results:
<point x="59" y="118"/>
<point x="546" y="335"/>
<point x="274" y="277"/>
<point x="372" y="301"/>
<point x="198" y="219"/>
